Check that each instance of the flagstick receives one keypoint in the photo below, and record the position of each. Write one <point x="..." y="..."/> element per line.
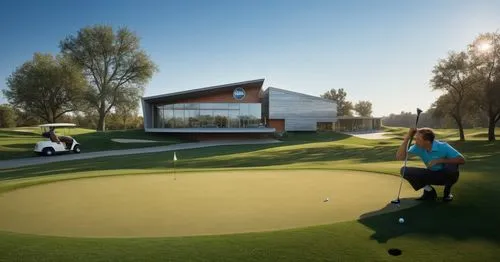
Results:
<point x="175" y="159"/>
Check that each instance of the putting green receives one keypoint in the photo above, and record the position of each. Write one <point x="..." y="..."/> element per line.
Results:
<point x="196" y="203"/>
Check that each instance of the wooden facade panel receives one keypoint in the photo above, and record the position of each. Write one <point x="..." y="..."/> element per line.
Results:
<point x="278" y="124"/>
<point x="252" y="96"/>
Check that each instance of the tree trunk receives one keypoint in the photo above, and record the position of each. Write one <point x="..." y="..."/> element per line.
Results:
<point x="101" y="124"/>
<point x="491" y="128"/>
<point x="52" y="118"/>
<point x="458" y="120"/>
<point x="460" y="128"/>
<point x="102" y="116"/>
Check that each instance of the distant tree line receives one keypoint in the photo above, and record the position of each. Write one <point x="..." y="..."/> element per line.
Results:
<point x="98" y="76"/>
<point x="346" y="108"/>
<point x="428" y="119"/>
<point x="116" y="120"/>
<point x="470" y="84"/>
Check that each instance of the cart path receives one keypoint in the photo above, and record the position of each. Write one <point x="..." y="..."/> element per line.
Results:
<point x="14" y="163"/>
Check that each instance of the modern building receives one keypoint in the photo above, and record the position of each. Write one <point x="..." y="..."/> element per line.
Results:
<point x="291" y="111"/>
<point x="237" y="108"/>
<point x="355" y="124"/>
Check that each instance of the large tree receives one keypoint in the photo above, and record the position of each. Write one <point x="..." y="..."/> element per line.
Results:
<point x="485" y="54"/>
<point x="113" y="64"/>
<point x="363" y="108"/>
<point x="7" y="116"/>
<point x="344" y="107"/>
<point x="454" y="76"/>
<point x="445" y="106"/>
<point x="46" y="87"/>
<point x="128" y="105"/>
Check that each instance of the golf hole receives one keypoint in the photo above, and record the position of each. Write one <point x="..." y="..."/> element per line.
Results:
<point x="394" y="252"/>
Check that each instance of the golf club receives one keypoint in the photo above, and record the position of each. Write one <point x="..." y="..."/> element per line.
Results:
<point x="397" y="200"/>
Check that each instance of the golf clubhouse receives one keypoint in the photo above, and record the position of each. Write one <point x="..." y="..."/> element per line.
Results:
<point x="242" y="107"/>
<point x="237" y="108"/>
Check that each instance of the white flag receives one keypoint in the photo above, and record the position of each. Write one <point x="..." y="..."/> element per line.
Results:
<point x="175" y="157"/>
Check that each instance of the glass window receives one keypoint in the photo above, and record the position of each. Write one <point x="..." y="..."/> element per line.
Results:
<point x="254" y="110"/>
<point x="243" y="109"/>
<point x="324" y="126"/>
<point x="206" y="118"/>
<point x="156" y="117"/>
<point x="207" y="106"/>
<point x="250" y="115"/>
<point x="192" y="106"/>
<point x="179" y="106"/>
<point x="206" y="112"/>
<point x="168" y="116"/>
<point x="234" y="121"/>
<point x="179" y="119"/>
<point x="220" y="118"/>
<point x="192" y="118"/>
<point x="208" y="115"/>
<point x="222" y="106"/>
<point x="234" y="106"/>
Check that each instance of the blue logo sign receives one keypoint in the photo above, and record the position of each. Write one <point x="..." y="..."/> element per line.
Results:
<point x="239" y="93"/>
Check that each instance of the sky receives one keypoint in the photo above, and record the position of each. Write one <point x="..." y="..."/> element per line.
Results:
<point x="381" y="51"/>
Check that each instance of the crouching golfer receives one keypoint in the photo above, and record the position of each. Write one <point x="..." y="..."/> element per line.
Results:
<point x="441" y="159"/>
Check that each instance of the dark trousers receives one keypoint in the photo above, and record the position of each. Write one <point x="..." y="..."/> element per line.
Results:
<point x="420" y="177"/>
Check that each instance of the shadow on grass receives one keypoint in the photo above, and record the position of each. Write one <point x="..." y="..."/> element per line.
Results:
<point x="17" y="151"/>
<point x="315" y="136"/>
<point x="9" y="133"/>
<point x="219" y="157"/>
<point x="252" y="156"/>
<point x="20" y="146"/>
<point x="472" y="215"/>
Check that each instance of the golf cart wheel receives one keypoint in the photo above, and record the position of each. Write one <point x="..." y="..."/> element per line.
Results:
<point x="48" y="151"/>
<point x="77" y="149"/>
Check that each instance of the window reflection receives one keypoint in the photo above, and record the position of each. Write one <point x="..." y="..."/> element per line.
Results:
<point x="208" y="115"/>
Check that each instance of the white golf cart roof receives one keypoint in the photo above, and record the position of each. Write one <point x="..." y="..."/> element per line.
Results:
<point x="58" y="125"/>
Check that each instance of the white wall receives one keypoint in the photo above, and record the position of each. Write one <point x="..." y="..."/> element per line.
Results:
<point x="301" y="112"/>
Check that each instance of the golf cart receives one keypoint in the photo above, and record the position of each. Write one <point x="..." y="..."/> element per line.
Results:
<point x="56" y="144"/>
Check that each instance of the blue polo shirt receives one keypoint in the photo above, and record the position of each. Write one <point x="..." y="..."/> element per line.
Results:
<point x="439" y="150"/>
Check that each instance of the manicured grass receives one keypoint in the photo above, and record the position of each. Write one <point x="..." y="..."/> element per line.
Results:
<point x="19" y="142"/>
<point x="202" y="203"/>
<point x="463" y="230"/>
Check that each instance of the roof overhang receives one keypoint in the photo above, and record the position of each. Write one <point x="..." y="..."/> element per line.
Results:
<point x="213" y="130"/>
<point x="193" y="93"/>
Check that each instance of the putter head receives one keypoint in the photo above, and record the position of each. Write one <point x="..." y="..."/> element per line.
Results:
<point x="396" y="201"/>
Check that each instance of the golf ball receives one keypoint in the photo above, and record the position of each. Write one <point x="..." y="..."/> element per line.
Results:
<point x="401" y="220"/>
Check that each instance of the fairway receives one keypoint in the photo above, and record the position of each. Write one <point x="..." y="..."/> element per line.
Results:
<point x="203" y="203"/>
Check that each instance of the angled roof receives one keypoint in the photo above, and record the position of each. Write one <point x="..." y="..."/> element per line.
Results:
<point x="202" y="91"/>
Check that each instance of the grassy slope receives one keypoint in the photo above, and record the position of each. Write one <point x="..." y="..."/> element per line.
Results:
<point x="16" y="144"/>
<point x="464" y="230"/>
